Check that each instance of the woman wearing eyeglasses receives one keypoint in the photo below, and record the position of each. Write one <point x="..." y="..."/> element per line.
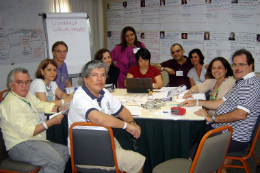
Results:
<point x="220" y="81"/>
<point x="59" y="52"/>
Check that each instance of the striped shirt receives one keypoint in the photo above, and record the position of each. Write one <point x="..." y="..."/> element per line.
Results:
<point x="245" y="95"/>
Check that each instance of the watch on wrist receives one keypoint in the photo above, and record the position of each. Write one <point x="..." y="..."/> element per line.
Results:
<point x="213" y="119"/>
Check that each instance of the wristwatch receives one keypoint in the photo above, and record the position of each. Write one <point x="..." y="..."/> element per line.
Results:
<point x="213" y="119"/>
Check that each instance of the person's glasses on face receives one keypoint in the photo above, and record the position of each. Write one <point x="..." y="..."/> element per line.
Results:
<point x="238" y="65"/>
<point x="21" y="83"/>
<point x="60" y="51"/>
<point x="217" y="68"/>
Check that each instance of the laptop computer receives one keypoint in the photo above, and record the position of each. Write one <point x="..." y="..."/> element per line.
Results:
<point x="139" y="85"/>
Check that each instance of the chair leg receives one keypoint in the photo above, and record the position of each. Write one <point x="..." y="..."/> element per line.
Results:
<point x="246" y="167"/>
<point x="257" y="164"/>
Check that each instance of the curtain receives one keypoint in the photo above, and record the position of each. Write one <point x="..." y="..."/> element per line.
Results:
<point x="91" y="7"/>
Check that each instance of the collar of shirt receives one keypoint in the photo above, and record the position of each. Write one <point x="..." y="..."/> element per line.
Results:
<point x="249" y="75"/>
<point x="101" y="93"/>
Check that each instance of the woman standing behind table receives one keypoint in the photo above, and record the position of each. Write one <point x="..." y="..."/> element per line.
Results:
<point x="124" y="53"/>
<point x="220" y="82"/>
<point x="144" y="69"/>
<point x="113" y="71"/>
<point x="197" y="73"/>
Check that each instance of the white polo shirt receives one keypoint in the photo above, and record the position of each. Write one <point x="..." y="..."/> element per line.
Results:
<point x="84" y="102"/>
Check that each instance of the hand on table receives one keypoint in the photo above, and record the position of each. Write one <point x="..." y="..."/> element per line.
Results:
<point x="188" y="103"/>
<point x="187" y="95"/>
<point x="205" y="114"/>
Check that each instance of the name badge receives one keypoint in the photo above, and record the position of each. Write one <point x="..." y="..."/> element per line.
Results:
<point x="179" y="73"/>
<point x="135" y="50"/>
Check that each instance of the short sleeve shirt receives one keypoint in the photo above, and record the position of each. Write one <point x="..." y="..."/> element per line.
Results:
<point x="197" y="79"/>
<point x="38" y="85"/>
<point x="151" y="73"/>
<point x="245" y="95"/>
<point x="84" y="102"/>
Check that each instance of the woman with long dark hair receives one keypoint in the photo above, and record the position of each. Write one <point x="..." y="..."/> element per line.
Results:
<point x="124" y="54"/>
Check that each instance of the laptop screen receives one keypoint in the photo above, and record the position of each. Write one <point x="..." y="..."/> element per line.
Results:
<point x="139" y="85"/>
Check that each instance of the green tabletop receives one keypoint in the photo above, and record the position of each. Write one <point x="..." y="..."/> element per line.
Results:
<point x="162" y="140"/>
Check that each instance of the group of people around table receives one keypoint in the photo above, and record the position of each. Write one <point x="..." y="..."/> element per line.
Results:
<point x="234" y="98"/>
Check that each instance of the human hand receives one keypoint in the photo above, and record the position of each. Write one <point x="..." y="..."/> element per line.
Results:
<point x="61" y="108"/>
<point x="188" y="103"/>
<point x="55" y="120"/>
<point x="187" y="95"/>
<point x="134" y="129"/>
<point x="169" y="70"/>
<point x="205" y="114"/>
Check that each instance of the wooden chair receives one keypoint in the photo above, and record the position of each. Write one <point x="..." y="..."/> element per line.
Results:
<point x="243" y="155"/>
<point x="7" y="165"/>
<point x="92" y="151"/>
<point x="209" y="156"/>
<point x="3" y="94"/>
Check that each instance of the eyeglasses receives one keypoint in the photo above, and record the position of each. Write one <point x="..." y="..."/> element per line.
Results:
<point x="238" y="65"/>
<point x="59" y="51"/>
<point x="20" y="83"/>
<point x="217" y="68"/>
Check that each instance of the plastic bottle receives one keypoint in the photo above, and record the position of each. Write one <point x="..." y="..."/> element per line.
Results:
<point x="150" y="104"/>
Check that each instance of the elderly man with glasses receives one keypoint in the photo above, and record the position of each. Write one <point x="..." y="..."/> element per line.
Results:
<point x="22" y="129"/>
<point x="240" y="107"/>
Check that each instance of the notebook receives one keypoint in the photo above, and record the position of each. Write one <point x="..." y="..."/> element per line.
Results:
<point x="139" y="85"/>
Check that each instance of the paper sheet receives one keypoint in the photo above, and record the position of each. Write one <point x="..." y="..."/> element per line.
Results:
<point x="135" y="110"/>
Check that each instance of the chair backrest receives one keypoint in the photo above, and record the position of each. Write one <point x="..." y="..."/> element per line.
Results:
<point x="3" y="152"/>
<point x="255" y="132"/>
<point x="212" y="150"/>
<point x="3" y="94"/>
<point x="92" y="148"/>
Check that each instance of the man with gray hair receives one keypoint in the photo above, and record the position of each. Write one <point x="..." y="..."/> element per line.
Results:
<point x="93" y="103"/>
<point x="22" y="129"/>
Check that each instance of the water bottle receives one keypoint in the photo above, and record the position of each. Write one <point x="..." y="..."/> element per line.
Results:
<point x="150" y="101"/>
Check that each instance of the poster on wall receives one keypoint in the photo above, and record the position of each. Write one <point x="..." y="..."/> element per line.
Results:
<point x="216" y="27"/>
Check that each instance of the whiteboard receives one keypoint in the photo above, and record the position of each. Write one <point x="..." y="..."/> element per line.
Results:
<point x="74" y="30"/>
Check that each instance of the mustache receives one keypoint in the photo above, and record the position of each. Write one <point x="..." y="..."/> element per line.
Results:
<point x="237" y="70"/>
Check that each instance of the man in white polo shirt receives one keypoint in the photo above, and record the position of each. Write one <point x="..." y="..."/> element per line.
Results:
<point x="93" y="103"/>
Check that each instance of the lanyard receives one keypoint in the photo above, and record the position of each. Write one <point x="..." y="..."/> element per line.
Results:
<point x="28" y="103"/>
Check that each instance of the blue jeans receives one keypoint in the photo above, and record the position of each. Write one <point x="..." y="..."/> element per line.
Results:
<point x="50" y="156"/>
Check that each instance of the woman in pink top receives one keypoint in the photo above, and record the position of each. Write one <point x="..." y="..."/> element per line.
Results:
<point x="123" y="53"/>
<point x="144" y="69"/>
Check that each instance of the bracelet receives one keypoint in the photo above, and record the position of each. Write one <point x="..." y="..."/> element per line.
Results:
<point x="125" y="125"/>
<point x="192" y="91"/>
<point x="131" y="122"/>
<point x="62" y="101"/>
<point x="58" y="109"/>
<point x="45" y="125"/>
<point x="162" y="69"/>
<point x="197" y="102"/>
